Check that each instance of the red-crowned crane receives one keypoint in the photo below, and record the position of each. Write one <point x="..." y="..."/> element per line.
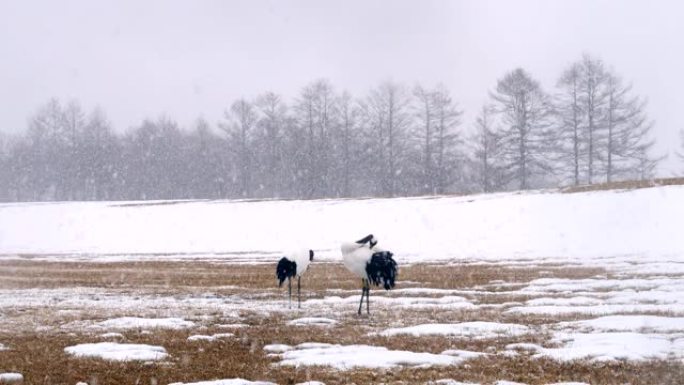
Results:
<point x="294" y="265"/>
<point x="371" y="264"/>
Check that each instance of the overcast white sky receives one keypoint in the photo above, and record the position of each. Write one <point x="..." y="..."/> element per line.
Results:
<point x="139" y="59"/>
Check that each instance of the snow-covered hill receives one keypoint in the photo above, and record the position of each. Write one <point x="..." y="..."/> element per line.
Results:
<point x="637" y="223"/>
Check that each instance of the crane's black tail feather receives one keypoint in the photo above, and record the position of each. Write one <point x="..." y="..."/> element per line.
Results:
<point x="285" y="270"/>
<point x="382" y="269"/>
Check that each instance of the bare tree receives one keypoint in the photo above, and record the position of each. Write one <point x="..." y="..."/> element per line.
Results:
<point x="44" y="154"/>
<point x="593" y="98"/>
<point x="603" y="129"/>
<point x="487" y="152"/>
<point x="524" y="111"/>
<point x="5" y="169"/>
<point x="324" y="99"/>
<point x="313" y="109"/>
<point x="448" y="157"/>
<point x="209" y="162"/>
<point x="346" y="140"/>
<point x="646" y="165"/>
<point x="238" y="125"/>
<point x="270" y="142"/>
<point x="98" y="157"/>
<point x="72" y="173"/>
<point x="628" y="130"/>
<point x="680" y="154"/>
<point x="571" y="129"/>
<point x="388" y="112"/>
<point x="425" y="104"/>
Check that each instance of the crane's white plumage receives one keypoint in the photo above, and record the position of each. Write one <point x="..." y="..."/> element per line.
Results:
<point x="370" y="263"/>
<point x="356" y="257"/>
<point x="293" y="265"/>
<point x="302" y="258"/>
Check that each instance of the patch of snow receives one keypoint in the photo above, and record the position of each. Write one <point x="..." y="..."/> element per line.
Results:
<point x="313" y="321"/>
<point x="426" y="290"/>
<point x="450" y="302"/>
<point x="613" y="346"/>
<point x="3" y="347"/>
<point x="596" y="310"/>
<point x="637" y="323"/>
<point x="522" y="346"/>
<point x="567" y="285"/>
<point x="500" y="382"/>
<point x="573" y="301"/>
<point x="118" y="352"/>
<point x="465" y="354"/>
<point x="313" y="345"/>
<point x="311" y="383"/>
<point x="465" y="329"/>
<point x="112" y="335"/>
<point x="9" y="378"/>
<point x="569" y="383"/>
<point x="232" y="381"/>
<point x="449" y="381"/>
<point x="346" y="357"/>
<point x="277" y="348"/>
<point x="655" y="268"/>
<point x="214" y="337"/>
<point x="113" y="299"/>
<point x="232" y="326"/>
<point x="145" y="323"/>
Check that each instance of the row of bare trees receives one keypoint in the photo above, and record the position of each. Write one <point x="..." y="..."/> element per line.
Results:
<point x="593" y="129"/>
<point x="395" y="141"/>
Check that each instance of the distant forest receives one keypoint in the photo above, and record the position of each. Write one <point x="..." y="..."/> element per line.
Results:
<point x="394" y="141"/>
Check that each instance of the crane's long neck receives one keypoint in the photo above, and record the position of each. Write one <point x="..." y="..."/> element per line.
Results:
<point x="350" y="247"/>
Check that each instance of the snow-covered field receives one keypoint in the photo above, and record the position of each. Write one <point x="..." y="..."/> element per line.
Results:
<point x="644" y="223"/>
<point x="505" y="280"/>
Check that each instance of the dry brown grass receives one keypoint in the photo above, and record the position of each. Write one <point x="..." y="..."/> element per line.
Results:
<point x="630" y="184"/>
<point x="40" y="357"/>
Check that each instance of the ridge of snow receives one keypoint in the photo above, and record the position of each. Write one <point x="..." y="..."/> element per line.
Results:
<point x="232" y="381"/>
<point x="476" y="329"/>
<point x="145" y="323"/>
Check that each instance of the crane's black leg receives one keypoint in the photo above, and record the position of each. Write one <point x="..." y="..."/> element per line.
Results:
<point x="289" y="292"/>
<point x="363" y="292"/>
<point x="299" y="298"/>
<point x="367" y="298"/>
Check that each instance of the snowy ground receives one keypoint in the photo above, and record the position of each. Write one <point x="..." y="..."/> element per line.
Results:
<point x="642" y="224"/>
<point x="535" y="288"/>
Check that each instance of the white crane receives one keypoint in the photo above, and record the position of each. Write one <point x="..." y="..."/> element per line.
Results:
<point x="371" y="264"/>
<point x="294" y="265"/>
